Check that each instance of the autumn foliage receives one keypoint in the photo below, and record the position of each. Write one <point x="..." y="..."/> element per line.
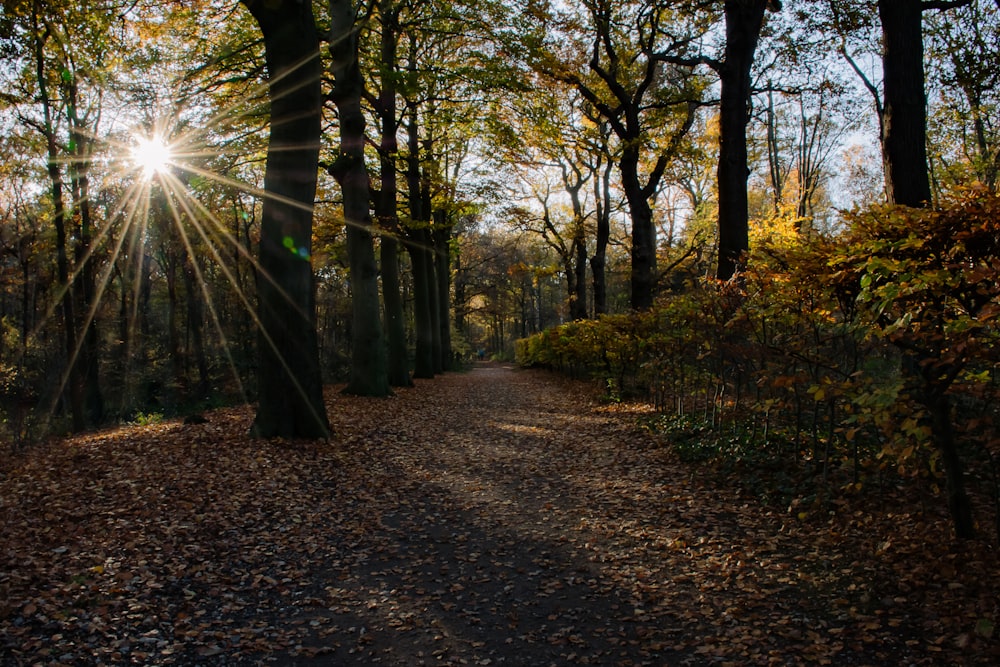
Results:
<point x="855" y="359"/>
<point x="494" y="517"/>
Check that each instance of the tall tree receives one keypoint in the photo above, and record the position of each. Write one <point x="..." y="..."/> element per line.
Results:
<point x="387" y="200"/>
<point x="419" y="246"/>
<point x="902" y="105"/>
<point x="69" y="48"/>
<point x="562" y="230"/>
<point x="290" y="384"/>
<point x="648" y="104"/>
<point x="904" y="111"/>
<point x="73" y="376"/>
<point x="600" y="166"/>
<point x="83" y="130"/>
<point x="553" y="136"/>
<point x="744" y="20"/>
<point x="369" y="375"/>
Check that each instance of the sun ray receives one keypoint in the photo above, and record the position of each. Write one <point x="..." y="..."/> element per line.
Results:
<point x="203" y="284"/>
<point x="136" y="164"/>
<point x="185" y="203"/>
<point x="126" y="203"/>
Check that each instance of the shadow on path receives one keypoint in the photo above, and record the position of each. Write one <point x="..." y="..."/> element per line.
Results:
<point x="496" y="517"/>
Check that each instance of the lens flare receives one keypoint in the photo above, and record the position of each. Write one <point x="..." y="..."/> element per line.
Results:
<point x="151" y="155"/>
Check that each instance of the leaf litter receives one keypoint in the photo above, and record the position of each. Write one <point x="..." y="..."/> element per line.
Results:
<point x="497" y="517"/>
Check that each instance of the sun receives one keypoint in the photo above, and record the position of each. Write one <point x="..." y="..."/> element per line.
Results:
<point x="151" y="155"/>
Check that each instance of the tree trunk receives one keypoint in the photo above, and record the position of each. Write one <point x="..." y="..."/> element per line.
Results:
<point x="418" y="246"/>
<point x="395" y="322"/>
<point x="168" y="265"/>
<point x="643" y="254"/>
<point x="578" y="306"/>
<point x="430" y="215"/>
<point x="81" y="139"/>
<point x="422" y="288"/>
<point x="290" y="384"/>
<point x="195" y="323"/>
<point x="577" y="248"/>
<point x="435" y="305"/>
<point x="460" y="297"/>
<point x="398" y="365"/>
<point x="369" y="376"/>
<point x="904" y="112"/>
<point x="944" y="438"/>
<point x="744" y="19"/>
<point x="442" y="270"/>
<point x="73" y="377"/>
<point x="598" y="263"/>
<point x="775" y="173"/>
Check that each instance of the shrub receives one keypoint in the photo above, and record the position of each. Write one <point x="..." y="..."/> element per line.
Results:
<point x="872" y="352"/>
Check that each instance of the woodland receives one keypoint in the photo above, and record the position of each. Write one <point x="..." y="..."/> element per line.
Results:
<point x="762" y="238"/>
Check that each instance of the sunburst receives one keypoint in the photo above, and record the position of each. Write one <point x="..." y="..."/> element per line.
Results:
<point x="151" y="155"/>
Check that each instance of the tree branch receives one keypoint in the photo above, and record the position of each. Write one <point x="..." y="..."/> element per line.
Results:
<point x="665" y="156"/>
<point x="942" y="5"/>
<point x="865" y="80"/>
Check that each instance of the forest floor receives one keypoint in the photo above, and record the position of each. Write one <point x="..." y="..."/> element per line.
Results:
<point x="494" y="517"/>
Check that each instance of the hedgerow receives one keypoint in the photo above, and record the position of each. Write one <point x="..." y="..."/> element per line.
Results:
<point x="854" y="357"/>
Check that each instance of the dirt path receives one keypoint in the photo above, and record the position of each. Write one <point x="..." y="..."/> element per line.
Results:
<point x="496" y="517"/>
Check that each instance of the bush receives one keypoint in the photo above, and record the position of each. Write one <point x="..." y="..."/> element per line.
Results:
<point x="851" y="354"/>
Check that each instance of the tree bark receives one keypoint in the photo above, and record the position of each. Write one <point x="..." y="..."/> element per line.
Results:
<point x="73" y="379"/>
<point x="195" y="325"/>
<point x="598" y="262"/>
<point x="461" y="306"/>
<point x="290" y="384"/>
<point x="904" y="112"/>
<point x="433" y="295"/>
<point x="642" y="278"/>
<point x="369" y="376"/>
<point x="943" y="434"/>
<point x="744" y="20"/>
<point x="168" y="264"/>
<point x="578" y="252"/>
<point x="418" y="245"/>
<point x="81" y="141"/>
<point x="395" y="324"/>
<point x="441" y="236"/>
<point x="419" y="240"/>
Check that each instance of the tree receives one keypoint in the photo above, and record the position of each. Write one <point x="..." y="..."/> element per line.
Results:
<point x="744" y="20"/>
<point x="902" y="106"/>
<point x="368" y="356"/>
<point x="419" y="246"/>
<point x="963" y="47"/>
<point x="73" y="375"/>
<point x="561" y="229"/>
<point x="290" y="386"/>
<point x="552" y="139"/>
<point x="387" y="200"/>
<point x="600" y="167"/>
<point x="68" y="81"/>
<point x="904" y="112"/>
<point x="799" y="164"/>
<point x="621" y="66"/>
